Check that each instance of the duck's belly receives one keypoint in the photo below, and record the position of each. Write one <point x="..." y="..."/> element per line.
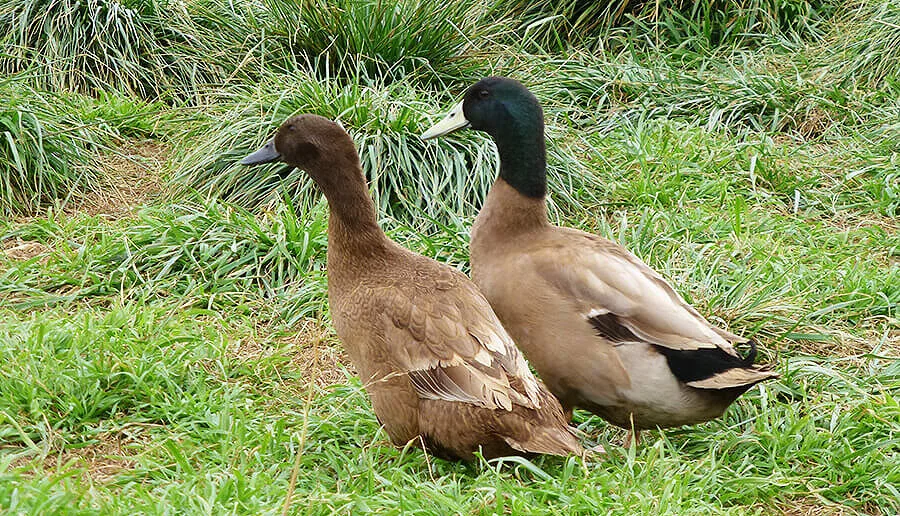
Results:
<point x="655" y="398"/>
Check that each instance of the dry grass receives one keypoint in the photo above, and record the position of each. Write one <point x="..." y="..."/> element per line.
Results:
<point x="131" y="177"/>
<point x="20" y="250"/>
<point x="325" y="361"/>
<point x="313" y="349"/>
<point x="812" y="507"/>
<point x="100" y="461"/>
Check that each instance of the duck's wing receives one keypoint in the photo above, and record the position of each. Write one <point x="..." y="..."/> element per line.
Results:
<point x="622" y="297"/>
<point x="450" y="342"/>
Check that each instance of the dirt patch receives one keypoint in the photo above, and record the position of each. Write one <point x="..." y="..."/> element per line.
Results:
<point x="813" y="124"/>
<point x="131" y="177"/>
<point x="21" y="250"/>
<point x="811" y="507"/>
<point x="313" y="349"/>
<point x="100" y="461"/>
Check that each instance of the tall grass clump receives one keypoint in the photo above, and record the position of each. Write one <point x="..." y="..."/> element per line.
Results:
<point x="409" y="178"/>
<point x="430" y="38"/>
<point x="77" y="44"/>
<point x="864" y="48"/>
<point x="149" y="47"/>
<point x="42" y="157"/>
<point x="741" y="92"/>
<point x="707" y="25"/>
<point x="203" y="44"/>
<point x="557" y="25"/>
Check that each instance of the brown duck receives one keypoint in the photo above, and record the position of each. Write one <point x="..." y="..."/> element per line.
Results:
<point x="435" y="360"/>
<point x="604" y="331"/>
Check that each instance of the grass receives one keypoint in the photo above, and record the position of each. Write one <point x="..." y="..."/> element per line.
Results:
<point x="421" y="38"/>
<point x="179" y="356"/>
<point x="151" y="48"/>
<point x="698" y="25"/>
<point x="42" y="157"/>
<point x="50" y="141"/>
<point x="866" y="40"/>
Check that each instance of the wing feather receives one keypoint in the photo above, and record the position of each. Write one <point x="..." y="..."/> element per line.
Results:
<point x="601" y="277"/>
<point x="455" y="349"/>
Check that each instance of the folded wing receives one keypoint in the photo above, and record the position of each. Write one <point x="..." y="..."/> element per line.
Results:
<point x="455" y="349"/>
<point x="603" y="279"/>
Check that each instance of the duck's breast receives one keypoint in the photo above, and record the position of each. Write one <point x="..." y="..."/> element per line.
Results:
<point x="557" y="340"/>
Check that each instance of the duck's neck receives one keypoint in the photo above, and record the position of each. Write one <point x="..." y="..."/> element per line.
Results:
<point x="523" y="157"/>
<point x="352" y="223"/>
<point x="516" y="203"/>
<point x="506" y="214"/>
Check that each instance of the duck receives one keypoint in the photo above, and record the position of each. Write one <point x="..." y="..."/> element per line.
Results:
<point x="604" y="331"/>
<point x="438" y="367"/>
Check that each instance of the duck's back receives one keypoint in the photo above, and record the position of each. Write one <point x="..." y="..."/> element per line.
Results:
<point x="547" y="325"/>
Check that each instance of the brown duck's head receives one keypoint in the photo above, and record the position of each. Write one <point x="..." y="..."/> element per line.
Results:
<point x="325" y="151"/>
<point x="308" y="142"/>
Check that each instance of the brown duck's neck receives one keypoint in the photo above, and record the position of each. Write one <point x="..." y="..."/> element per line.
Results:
<point x="354" y="232"/>
<point x="352" y="223"/>
<point x="507" y="213"/>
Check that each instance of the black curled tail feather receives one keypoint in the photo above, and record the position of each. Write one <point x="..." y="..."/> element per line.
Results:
<point x="751" y="356"/>
<point x="700" y="364"/>
<point x="687" y="365"/>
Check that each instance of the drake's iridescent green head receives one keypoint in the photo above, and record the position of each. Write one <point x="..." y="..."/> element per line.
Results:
<point x="506" y="110"/>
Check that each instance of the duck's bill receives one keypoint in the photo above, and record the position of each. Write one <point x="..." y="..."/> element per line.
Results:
<point x="453" y="121"/>
<point x="267" y="154"/>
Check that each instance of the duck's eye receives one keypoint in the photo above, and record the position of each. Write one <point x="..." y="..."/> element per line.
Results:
<point x="484" y="94"/>
<point x="291" y="127"/>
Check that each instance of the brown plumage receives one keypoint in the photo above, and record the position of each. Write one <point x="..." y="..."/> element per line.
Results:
<point x="437" y="364"/>
<point x="604" y="330"/>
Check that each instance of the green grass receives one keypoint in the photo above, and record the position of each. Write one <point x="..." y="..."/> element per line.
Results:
<point x="430" y="39"/>
<point x="49" y="141"/>
<point x="153" y="48"/>
<point x="42" y="155"/>
<point x="698" y="25"/>
<point x="180" y="357"/>
<point x="863" y="48"/>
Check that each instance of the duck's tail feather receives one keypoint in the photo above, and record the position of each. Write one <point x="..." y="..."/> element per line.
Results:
<point x="548" y="441"/>
<point x="751" y="356"/>
<point x="738" y="377"/>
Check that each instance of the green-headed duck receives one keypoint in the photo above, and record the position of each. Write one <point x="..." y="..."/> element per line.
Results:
<point x="603" y="330"/>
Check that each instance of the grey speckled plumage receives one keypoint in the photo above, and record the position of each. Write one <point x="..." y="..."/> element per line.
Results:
<point x="437" y="364"/>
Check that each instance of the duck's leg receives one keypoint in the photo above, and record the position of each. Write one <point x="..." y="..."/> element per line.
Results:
<point x="632" y="438"/>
